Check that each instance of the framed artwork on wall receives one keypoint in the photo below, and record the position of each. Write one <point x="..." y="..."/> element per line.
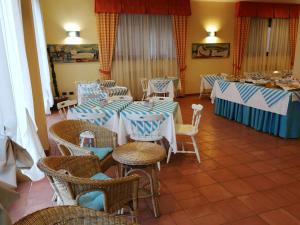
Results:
<point x="73" y="53"/>
<point x="210" y="50"/>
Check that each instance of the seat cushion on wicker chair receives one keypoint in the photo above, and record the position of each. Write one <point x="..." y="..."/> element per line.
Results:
<point x="100" y="176"/>
<point x="101" y="152"/>
<point x="92" y="200"/>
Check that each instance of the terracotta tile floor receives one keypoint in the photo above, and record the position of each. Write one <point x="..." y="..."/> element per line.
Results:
<point x="245" y="178"/>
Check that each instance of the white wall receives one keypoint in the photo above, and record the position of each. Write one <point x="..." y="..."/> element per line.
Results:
<point x="60" y="13"/>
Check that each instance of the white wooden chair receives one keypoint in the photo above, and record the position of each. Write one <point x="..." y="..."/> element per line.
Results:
<point x="107" y="83"/>
<point x="64" y="106"/>
<point x="189" y="130"/>
<point x="146" y="128"/>
<point x="144" y="83"/>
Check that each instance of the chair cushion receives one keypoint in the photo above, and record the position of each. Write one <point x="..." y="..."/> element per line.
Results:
<point x="101" y="152"/>
<point x="100" y="176"/>
<point x="94" y="199"/>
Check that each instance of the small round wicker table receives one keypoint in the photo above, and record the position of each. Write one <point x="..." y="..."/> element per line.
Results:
<point x="142" y="158"/>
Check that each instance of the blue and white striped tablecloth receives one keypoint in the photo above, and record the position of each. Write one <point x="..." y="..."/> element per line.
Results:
<point x="212" y="78"/>
<point x="267" y="99"/>
<point x="165" y="108"/>
<point x="169" y="110"/>
<point x="160" y="85"/>
<point x="208" y="80"/>
<point x="92" y="106"/>
<point x="163" y="85"/>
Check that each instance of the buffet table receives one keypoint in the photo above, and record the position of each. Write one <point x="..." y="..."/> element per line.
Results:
<point x="270" y="110"/>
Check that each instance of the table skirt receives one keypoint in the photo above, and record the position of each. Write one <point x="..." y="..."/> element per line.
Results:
<point x="283" y="126"/>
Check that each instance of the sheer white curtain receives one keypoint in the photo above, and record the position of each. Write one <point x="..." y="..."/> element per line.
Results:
<point x="261" y="42"/>
<point x="42" y="55"/>
<point x="255" y="58"/>
<point x="17" y="112"/>
<point x="279" y="55"/>
<point x="144" y="48"/>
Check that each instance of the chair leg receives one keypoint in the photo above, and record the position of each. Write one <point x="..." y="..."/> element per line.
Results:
<point x="158" y="166"/>
<point x="196" y="148"/>
<point x="169" y="154"/>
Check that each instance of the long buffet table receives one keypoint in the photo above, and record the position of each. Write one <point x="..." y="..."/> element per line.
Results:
<point x="269" y="110"/>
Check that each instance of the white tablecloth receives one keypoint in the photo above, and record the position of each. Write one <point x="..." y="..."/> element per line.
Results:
<point x="12" y="156"/>
<point x="171" y="112"/>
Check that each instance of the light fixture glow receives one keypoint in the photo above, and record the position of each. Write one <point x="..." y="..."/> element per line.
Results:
<point x="71" y="27"/>
<point x="73" y="34"/>
<point x="212" y="33"/>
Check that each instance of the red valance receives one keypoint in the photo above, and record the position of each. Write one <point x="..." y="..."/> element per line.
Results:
<point x="267" y="10"/>
<point x="162" y="7"/>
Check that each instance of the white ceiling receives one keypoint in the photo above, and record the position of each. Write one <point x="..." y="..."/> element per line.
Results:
<point x="274" y="1"/>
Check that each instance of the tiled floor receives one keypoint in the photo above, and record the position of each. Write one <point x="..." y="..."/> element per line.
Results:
<point x="245" y="178"/>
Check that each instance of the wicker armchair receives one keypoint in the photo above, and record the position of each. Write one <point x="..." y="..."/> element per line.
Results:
<point x="66" y="134"/>
<point x="71" y="215"/>
<point x="70" y="176"/>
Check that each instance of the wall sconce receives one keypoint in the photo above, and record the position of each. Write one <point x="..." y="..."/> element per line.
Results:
<point x="73" y="34"/>
<point x="212" y="33"/>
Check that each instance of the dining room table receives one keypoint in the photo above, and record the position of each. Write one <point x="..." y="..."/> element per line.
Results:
<point x="271" y="110"/>
<point x="164" y="85"/>
<point x="111" y="112"/>
<point x="171" y="115"/>
<point x="207" y="82"/>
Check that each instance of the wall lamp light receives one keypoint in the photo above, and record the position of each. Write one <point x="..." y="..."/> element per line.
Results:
<point x="212" y="33"/>
<point x="73" y="34"/>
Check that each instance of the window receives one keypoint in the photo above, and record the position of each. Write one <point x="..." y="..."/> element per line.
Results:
<point x="268" y="45"/>
<point x="145" y="48"/>
<point x="148" y="36"/>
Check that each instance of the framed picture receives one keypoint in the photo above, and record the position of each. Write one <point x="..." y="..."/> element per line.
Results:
<point x="73" y="53"/>
<point x="210" y="50"/>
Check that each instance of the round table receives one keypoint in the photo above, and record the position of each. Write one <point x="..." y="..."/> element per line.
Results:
<point x="142" y="158"/>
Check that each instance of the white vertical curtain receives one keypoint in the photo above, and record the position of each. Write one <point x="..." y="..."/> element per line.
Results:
<point x="255" y="57"/>
<point x="277" y="45"/>
<point x="42" y="55"/>
<point x="145" y="48"/>
<point x="17" y="110"/>
<point x="279" y="57"/>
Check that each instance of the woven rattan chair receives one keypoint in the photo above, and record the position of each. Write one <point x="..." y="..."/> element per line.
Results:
<point x="66" y="134"/>
<point x="72" y="177"/>
<point x="71" y="215"/>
